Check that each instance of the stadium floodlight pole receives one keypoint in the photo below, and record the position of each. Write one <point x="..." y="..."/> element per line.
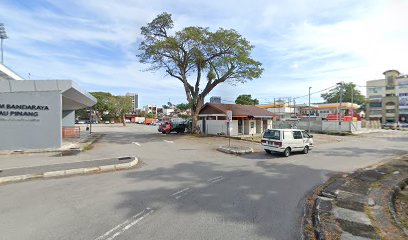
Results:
<point x="308" y="129"/>
<point x="3" y="35"/>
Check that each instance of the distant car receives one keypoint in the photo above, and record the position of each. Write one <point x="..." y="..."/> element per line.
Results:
<point x="81" y="122"/>
<point x="286" y="141"/>
<point x="403" y="125"/>
<point x="107" y="122"/>
<point x="389" y="125"/>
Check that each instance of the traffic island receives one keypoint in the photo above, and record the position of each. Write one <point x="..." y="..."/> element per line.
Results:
<point x="238" y="150"/>
<point x="367" y="204"/>
<point x="67" y="169"/>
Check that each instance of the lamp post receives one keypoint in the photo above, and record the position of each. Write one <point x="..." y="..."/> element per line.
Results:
<point x="3" y="35"/>
<point x="308" y="129"/>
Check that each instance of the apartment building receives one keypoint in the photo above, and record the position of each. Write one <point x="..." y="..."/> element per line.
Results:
<point x="135" y="101"/>
<point x="388" y="98"/>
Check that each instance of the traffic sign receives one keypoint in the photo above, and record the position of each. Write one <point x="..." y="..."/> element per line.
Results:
<point x="229" y="116"/>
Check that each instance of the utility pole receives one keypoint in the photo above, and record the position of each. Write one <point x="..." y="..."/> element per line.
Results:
<point x="3" y="35"/>
<point x="309" y="113"/>
<point x="352" y="103"/>
<point x="340" y="84"/>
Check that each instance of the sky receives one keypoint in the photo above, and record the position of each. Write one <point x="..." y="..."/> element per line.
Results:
<point x="301" y="44"/>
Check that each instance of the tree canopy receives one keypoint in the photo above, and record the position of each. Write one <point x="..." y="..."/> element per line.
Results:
<point x="246" y="99"/>
<point x="193" y="52"/>
<point x="349" y="90"/>
<point x="183" y="106"/>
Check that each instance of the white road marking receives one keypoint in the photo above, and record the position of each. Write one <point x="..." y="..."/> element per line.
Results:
<point x="167" y="141"/>
<point x="138" y="144"/>
<point x="126" y="225"/>
<point x="215" y="179"/>
<point x="181" y="191"/>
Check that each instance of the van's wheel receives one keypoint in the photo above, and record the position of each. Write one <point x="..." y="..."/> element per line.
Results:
<point x="268" y="151"/>
<point x="286" y="153"/>
<point x="306" y="150"/>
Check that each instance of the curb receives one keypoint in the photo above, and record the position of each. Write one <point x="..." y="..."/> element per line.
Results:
<point x="70" y="172"/>
<point x="235" y="151"/>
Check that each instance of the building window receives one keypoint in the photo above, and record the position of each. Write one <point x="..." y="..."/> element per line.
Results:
<point x="375" y="104"/>
<point x="211" y="118"/>
<point x="390" y="95"/>
<point x="390" y="111"/>
<point x="390" y="104"/>
<point x="221" y="118"/>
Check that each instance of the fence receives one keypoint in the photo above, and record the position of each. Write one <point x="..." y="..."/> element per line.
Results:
<point x="71" y="132"/>
<point x="320" y="126"/>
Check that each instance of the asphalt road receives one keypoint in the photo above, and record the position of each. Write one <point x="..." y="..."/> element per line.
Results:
<point x="184" y="190"/>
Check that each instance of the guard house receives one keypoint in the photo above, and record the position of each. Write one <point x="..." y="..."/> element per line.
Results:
<point x="246" y="120"/>
<point x="33" y="113"/>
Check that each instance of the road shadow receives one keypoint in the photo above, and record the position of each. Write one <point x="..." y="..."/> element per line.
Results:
<point x="266" y="198"/>
<point x="356" y="151"/>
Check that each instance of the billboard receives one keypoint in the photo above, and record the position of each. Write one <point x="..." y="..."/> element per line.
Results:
<point x="403" y="85"/>
<point x="403" y="100"/>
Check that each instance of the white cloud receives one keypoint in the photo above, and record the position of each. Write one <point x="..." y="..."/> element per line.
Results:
<point x="301" y="43"/>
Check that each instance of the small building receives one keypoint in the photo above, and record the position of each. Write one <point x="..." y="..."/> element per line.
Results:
<point x="246" y="120"/>
<point x="35" y="113"/>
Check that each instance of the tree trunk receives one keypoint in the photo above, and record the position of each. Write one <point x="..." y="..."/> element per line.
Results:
<point x="123" y="120"/>
<point x="194" y="116"/>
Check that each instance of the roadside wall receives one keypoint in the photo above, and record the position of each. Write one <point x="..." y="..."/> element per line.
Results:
<point x="30" y="120"/>
<point x="217" y="127"/>
<point x="320" y="126"/>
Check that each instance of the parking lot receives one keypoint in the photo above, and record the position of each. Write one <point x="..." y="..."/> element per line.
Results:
<point x="184" y="189"/>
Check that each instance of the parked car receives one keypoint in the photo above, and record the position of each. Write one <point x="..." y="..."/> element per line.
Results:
<point x="107" y="122"/>
<point x="286" y="141"/>
<point x="389" y="125"/>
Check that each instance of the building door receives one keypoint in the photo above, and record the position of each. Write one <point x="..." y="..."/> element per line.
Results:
<point x="204" y="126"/>
<point x="240" y="130"/>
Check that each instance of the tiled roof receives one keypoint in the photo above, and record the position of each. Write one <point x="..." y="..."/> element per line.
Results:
<point x="237" y="110"/>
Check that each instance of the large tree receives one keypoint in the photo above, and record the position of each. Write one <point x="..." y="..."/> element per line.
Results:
<point x="246" y="99"/>
<point x="103" y="104"/>
<point x="193" y="52"/>
<point x="349" y="93"/>
<point x="120" y="106"/>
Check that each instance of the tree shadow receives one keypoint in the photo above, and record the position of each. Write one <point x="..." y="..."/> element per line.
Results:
<point x="356" y="151"/>
<point x="266" y="198"/>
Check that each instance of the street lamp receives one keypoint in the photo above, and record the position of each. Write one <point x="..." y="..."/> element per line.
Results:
<point x="3" y="35"/>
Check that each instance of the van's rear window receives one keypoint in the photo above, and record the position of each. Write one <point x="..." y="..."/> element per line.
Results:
<point x="272" y="134"/>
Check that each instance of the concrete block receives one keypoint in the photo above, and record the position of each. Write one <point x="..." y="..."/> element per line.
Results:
<point x="10" y="179"/>
<point x="122" y="166"/>
<point x="91" y="169"/>
<point x="30" y="176"/>
<point x="107" y="168"/>
<point x="74" y="171"/>
<point x="54" y="174"/>
<point x="351" y="216"/>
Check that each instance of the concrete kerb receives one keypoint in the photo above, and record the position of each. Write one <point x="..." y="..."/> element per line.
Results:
<point x="235" y="150"/>
<point x="70" y="172"/>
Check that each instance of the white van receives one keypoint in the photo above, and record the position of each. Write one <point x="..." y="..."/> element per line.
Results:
<point x="286" y="141"/>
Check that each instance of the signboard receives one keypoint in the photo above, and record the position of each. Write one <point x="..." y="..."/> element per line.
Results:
<point x="403" y="100"/>
<point x="229" y="116"/>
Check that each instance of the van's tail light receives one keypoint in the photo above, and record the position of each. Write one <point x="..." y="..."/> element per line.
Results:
<point x="278" y="144"/>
